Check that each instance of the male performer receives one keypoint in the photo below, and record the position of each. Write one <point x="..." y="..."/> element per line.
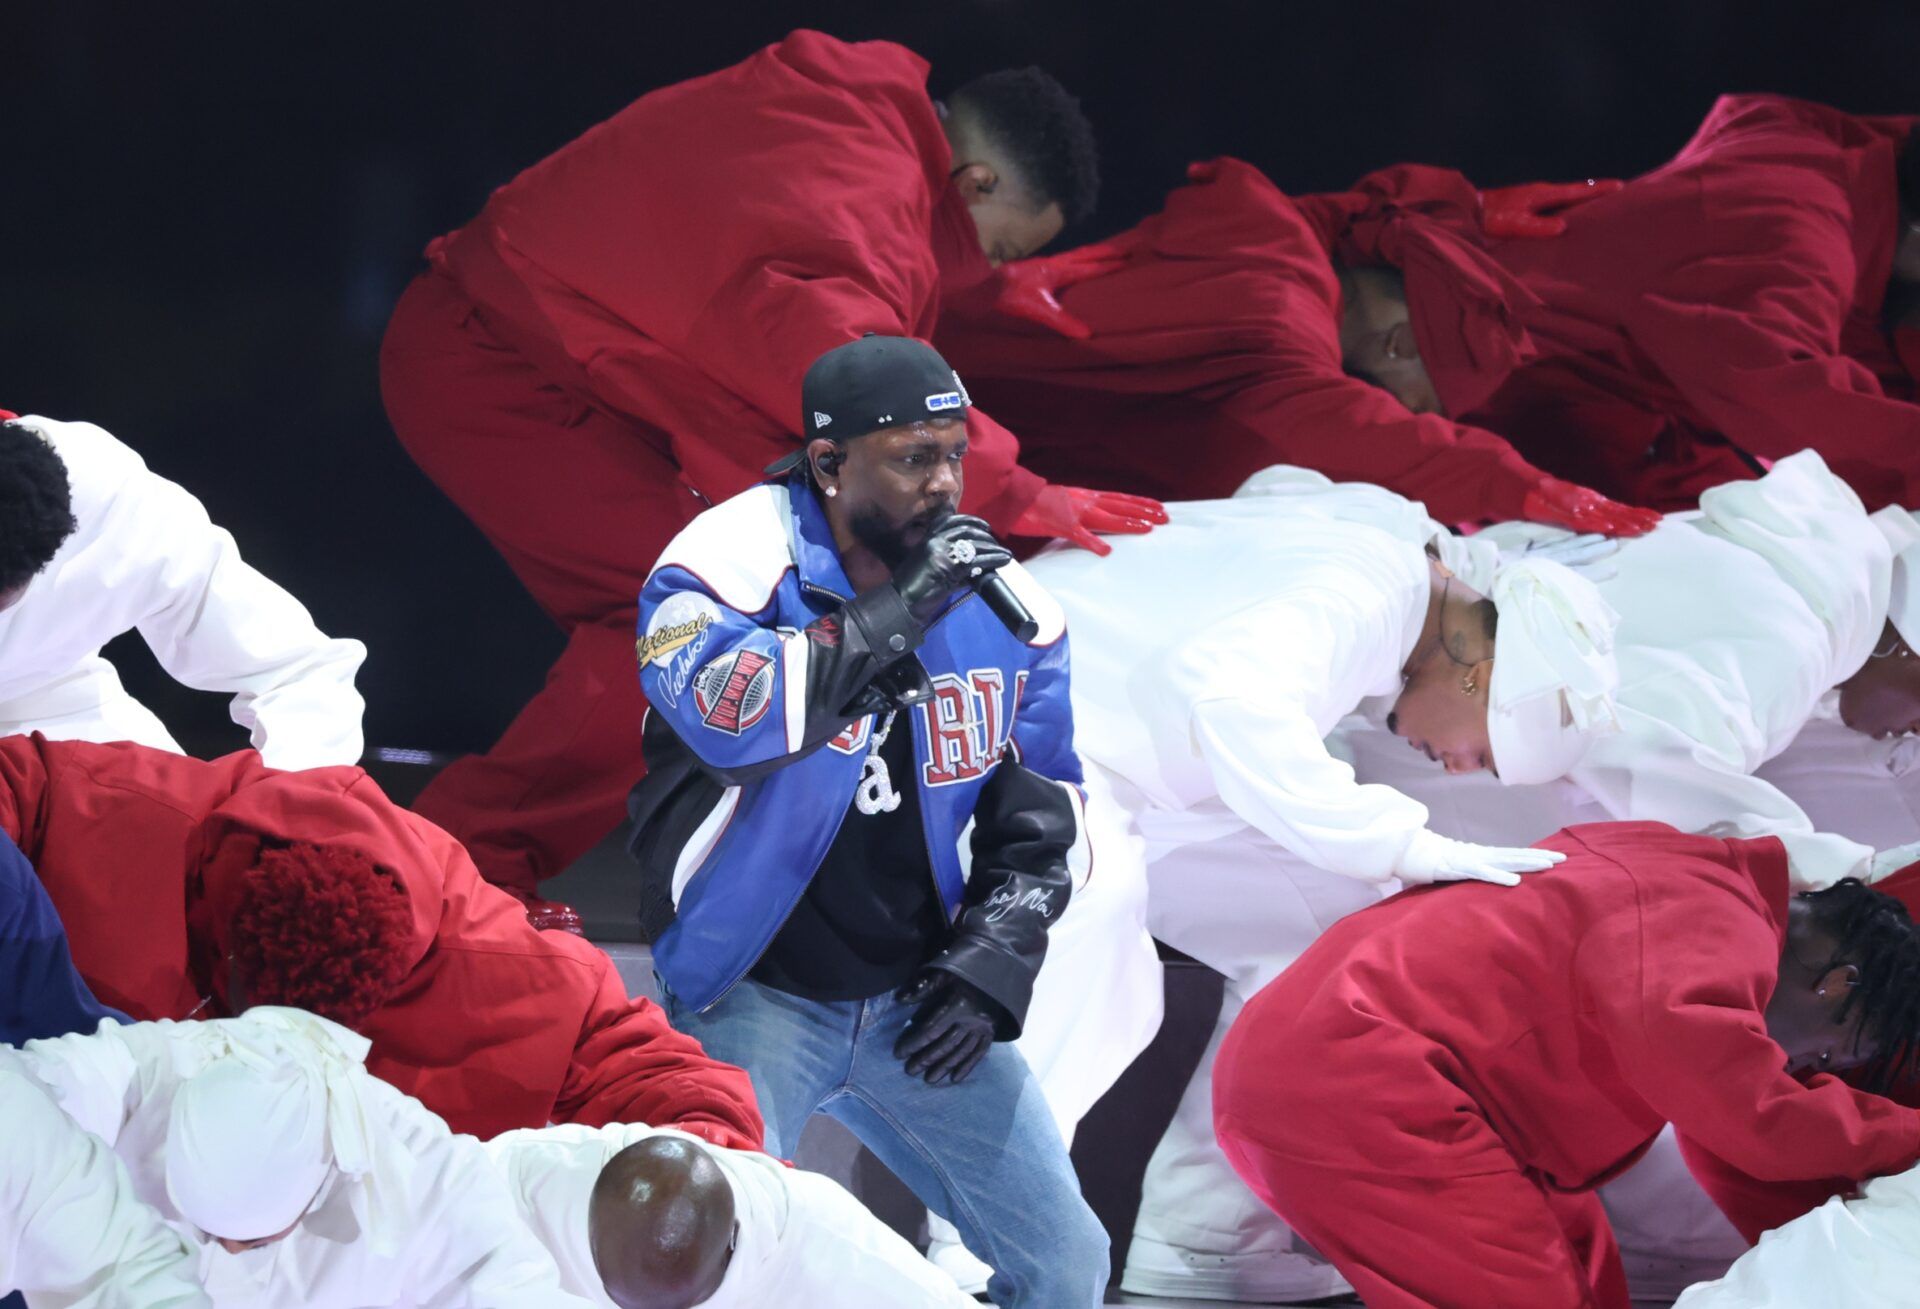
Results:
<point x="71" y="1229"/>
<point x="1215" y="656"/>
<point x="1753" y="296"/>
<point x="832" y="704"/>
<point x="1432" y="1091"/>
<point x="617" y="341"/>
<point x="1737" y="626"/>
<point x="310" y="1181"/>
<point x="1220" y="319"/>
<point x="641" y="1218"/>
<point x="92" y="545"/>
<point x="195" y="889"/>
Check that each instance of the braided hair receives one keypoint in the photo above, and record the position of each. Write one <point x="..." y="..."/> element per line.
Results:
<point x="1874" y="933"/>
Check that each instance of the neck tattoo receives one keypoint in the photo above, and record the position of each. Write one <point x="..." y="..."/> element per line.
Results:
<point x="1413" y="665"/>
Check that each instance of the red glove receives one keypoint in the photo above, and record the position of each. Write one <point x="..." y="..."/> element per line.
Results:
<point x="1522" y="210"/>
<point x="555" y="916"/>
<point x="714" y="1134"/>
<point x="1565" y="505"/>
<point x="1027" y="287"/>
<point x="1076" y="514"/>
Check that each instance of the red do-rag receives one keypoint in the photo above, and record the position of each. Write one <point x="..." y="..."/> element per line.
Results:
<point x="1465" y="308"/>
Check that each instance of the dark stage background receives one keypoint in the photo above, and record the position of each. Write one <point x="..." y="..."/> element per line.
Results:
<point x="209" y="210"/>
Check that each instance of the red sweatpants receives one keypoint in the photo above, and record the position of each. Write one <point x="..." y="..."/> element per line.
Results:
<point x="1416" y="1200"/>
<point x="580" y="504"/>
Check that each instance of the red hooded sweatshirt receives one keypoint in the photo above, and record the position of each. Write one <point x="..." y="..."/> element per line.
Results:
<point x="496" y="1026"/>
<point x="1720" y="310"/>
<point x="1215" y="352"/>
<point x="682" y="263"/>
<point x="1577" y="1013"/>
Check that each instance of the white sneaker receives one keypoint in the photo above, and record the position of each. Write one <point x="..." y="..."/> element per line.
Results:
<point x="1279" y="1277"/>
<point x="959" y="1263"/>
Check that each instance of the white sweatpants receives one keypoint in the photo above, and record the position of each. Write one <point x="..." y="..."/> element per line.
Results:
<point x="1099" y="998"/>
<point x="1246" y="908"/>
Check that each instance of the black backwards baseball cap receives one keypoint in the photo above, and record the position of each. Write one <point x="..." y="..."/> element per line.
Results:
<point x="872" y="383"/>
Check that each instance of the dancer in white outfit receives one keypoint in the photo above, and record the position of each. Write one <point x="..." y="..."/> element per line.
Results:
<point x="1740" y="627"/>
<point x="309" y="1181"/>
<point x="139" y="552"/>
<point x="623" y="1208"/>
<point x="72" y="1232"/>
<point x="1736" y="625"/>
<point x="1210" y="666"/>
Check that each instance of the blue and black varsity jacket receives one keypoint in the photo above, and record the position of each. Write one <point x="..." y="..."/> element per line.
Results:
<point x="765" y="676"/>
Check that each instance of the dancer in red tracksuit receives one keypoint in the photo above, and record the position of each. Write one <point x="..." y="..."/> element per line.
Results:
<point x="1216" y="324"/>
<point x="617" y="340"/>
<point x="1756" y="295"/>
<point x="191" y="889"/>
<point x="1432" y="1092"/>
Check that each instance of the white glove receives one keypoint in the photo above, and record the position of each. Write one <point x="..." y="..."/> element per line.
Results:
<point x="1431" y="857"/>
<point x="1888" y="862"/>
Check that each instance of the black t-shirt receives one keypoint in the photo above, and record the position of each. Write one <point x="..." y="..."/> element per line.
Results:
<point x="871" y="916"/>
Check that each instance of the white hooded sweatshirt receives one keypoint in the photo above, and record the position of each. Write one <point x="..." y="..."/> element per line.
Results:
<point x="72" y="1233"/>
<point x="407" y="1215"/>
<point x="145" y="556"/>
<point x="803" y="1240"/>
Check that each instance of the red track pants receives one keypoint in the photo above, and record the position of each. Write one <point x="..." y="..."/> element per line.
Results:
<point x="1417" y="1201"/>
<point x="580" y="504"/>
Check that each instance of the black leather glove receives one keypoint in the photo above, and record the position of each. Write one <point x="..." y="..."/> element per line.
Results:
<point x="951" y="1033"/>
<point x="931" y="572"/>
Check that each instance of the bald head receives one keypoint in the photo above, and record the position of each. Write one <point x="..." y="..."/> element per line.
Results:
<point x="660" y="1225"/>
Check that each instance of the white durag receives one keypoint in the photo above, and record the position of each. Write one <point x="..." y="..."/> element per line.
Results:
<point x="1554" y="672"/>
<point x="257" y="1132"/>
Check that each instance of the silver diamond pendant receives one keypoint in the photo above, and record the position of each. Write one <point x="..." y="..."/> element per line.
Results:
<point x="876" y="794"/>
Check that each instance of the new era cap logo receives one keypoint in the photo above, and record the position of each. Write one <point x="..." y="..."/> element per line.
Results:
<point x="820" y="419"/>
<point x="945" y="400"/>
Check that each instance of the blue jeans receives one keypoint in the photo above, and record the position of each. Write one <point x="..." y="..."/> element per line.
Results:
<point x="985" y="1155"/>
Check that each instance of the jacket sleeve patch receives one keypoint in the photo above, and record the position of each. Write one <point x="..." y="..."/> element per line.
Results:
<point x="734" y="691"/>
<point x="677" y="633"/>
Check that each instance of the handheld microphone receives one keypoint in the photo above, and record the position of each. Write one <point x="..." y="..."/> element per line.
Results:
<point x="1006" y="606"/>
<point x="999" y="597"/>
